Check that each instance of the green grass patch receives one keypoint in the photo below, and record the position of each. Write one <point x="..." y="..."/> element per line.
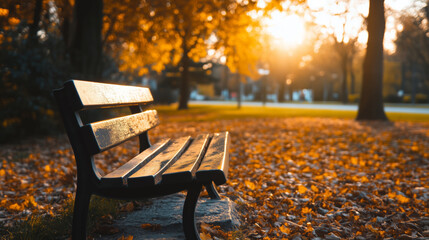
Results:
<point x="216" y="112"/>
<point x="38" y="227"/>
<point x="411" y="117"/>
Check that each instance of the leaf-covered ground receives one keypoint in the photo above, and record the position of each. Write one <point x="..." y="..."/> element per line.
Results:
<point x="292" y="178"/>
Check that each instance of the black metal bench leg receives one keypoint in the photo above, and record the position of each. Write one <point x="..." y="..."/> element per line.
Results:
<point x="80" y="214"/>
<point x="211" y="190"/>
<point x="189" y="226"/>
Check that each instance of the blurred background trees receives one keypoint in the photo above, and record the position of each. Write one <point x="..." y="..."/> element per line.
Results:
<point x="251" y="50"/>
<point x="33" y="61"/>
<point x="413" y="54"/>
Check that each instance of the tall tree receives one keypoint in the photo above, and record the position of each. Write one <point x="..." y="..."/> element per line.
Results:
<point x="138" y="35"/>
<point x="31" y="64"/>
<point x="34" y="27"/>
<point x="85" y="44"/>
<point x="199" y="22"/>
<point x="342" y="13"/>
<point x="239" y="38"/>
<point x="14" y="11"/>
<point x="346" y="52"/>
<point x="371" y="98"/>
<point x="179" y="32"/>
<point x="413" y="49"/>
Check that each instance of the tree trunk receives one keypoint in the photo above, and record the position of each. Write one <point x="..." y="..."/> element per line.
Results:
<point x="344" y="89"/>
<point x="264" y="90"/>
<point x="66" y="23"/>
<point x="184" y="84"/>
<point x="404" y="69"/>
<point x="34" y="27"/>
<point x="282" y="86"/>
<point x="414" y="76"/>
<point x="371" y="98"/>
<point x="225" y="81"/>
<point x="325" y="90"/>
<point x="352" y="77"/>
<point x="85" y="49"/>
<point x="239" y="90"/>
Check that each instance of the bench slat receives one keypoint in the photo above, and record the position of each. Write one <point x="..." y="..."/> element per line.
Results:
<point x="183" y="170"/>
<point x="103" y="135"/>
<point x="151" y="173"/>
<point x="214" y="166"/>
<point x="88" y="95"/>
<point x="120" y="175"/>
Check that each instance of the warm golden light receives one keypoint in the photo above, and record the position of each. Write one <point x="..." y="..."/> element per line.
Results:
<point x="285" y="30"/>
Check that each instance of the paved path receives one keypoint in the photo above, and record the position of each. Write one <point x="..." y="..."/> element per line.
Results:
<point x="166" y="213"/>
<point x="421" y="109"/>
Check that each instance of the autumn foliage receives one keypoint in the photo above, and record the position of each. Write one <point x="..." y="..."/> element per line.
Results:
<point x="292" y="178"/>
<point x="332" y="179"/>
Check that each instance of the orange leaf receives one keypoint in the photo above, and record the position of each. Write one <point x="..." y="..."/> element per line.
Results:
<point x="126" y="238"/>
<point x="205" y="236"/>
<point x="302" y="189"/>
<point x="149" y="226"/>
<point x="306" y="210"/>
<point x="314" y="188"/>
<point x="128" y="207"/>
<point x="250" y="185"/>
<point x="16" y="207"/>
<point x="284" y="229"/>
<point x="47" y="168"/>
<point x="402" y="199"/>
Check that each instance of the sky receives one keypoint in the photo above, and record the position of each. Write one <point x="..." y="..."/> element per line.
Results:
<point x="288" y="29"/>
<point x="392" y="26"/>
<point x="401" y="5"/>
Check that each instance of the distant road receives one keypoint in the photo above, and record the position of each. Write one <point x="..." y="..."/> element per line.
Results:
<point x="421" y="109"/>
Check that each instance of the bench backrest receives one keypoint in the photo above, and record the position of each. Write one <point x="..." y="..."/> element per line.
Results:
<point x="91" y="138"/>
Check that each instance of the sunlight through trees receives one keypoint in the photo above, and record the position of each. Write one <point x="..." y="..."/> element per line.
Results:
<point x="212" y="49"/>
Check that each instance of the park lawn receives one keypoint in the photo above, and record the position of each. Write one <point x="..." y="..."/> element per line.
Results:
<point x="216" y="112"/>
<point x="291" y="175"/>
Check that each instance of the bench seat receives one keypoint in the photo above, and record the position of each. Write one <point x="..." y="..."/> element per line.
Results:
<point x="174" y="161"/>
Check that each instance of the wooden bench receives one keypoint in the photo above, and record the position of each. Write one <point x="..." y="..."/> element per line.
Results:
<point x="164" y="168"/>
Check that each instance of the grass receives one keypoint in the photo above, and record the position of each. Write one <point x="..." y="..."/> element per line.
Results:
<point x="59" y="226"/>
<point x="215" y="112"/>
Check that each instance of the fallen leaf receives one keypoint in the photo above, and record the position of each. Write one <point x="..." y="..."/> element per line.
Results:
<point x="250" y="185"/>
<point x="205" y="236"/>
<point x="302" y="189"/>
<point x="149" y="226"/>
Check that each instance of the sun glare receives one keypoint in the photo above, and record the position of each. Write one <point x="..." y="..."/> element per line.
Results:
<point x="285" y="30"/>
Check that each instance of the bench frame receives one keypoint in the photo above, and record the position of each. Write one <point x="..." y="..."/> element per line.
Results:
<point x="70" y="102"/>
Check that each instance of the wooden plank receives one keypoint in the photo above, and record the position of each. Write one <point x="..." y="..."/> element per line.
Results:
<point x="151" y="173"/>
<point x="214" y="166"/>
<point x="184" y="169"/>
<point x="86" y="95"/>
<point x="120" y="175"/>
<point x="103" y="135"/>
